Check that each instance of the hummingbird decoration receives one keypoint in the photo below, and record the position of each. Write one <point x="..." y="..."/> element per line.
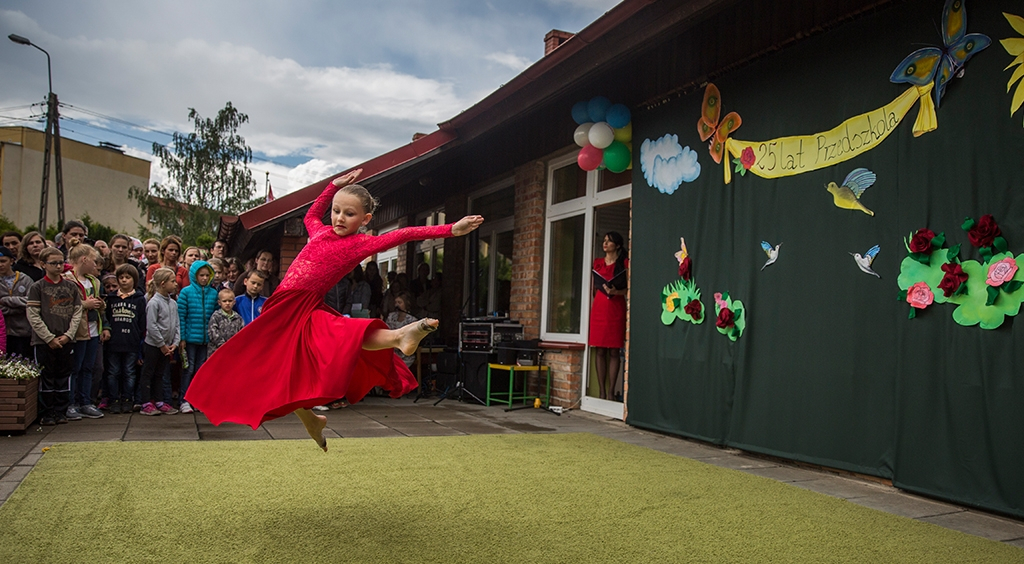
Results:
<point x="772" y="252"/>
<point x="864" y="262"/>
<point x="848" y="195"/>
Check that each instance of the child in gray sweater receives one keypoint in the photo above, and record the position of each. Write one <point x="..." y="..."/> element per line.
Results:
<point x="224" y="323"/>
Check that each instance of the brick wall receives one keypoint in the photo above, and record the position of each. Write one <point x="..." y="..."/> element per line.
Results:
<point x="290" y="247"/>
<point x="528" y="254"/>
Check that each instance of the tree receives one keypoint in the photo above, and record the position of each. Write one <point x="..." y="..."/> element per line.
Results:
<point x="208" y="177"/>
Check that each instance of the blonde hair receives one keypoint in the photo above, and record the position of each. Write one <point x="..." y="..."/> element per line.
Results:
<point x="369" y="202"/>
<point x="81" y="251"/>
<point x="160" y="277"/>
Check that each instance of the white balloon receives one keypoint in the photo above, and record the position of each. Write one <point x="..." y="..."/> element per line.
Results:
<point x="580" y="136"/>
<point x="601" y="135"/>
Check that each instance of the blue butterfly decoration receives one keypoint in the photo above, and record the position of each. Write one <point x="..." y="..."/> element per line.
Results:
<point x="932" y="64"/>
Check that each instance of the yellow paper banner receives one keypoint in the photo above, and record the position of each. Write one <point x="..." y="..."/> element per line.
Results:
<point x="787" y="156"/>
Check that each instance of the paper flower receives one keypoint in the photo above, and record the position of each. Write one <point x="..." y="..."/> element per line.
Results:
<point x="694" y="309"/>
<point x="681" y="300"/>
<point x="921" y="241"/>
<point x="953" y="280"/>
<point x="747" y="158"/>
<point x="726" y="319"/>
<point x="684" y="269"/>
<point x="730" y="317"/>
<point x="671" y="301"/>
<point x="984" y="232"/>
<point x="1001" y="271"/>
<point x="920" y="296"/>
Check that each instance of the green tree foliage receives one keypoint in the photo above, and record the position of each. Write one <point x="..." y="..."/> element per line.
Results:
<point x="208" y="176"/>
<point x="97" y="231"/>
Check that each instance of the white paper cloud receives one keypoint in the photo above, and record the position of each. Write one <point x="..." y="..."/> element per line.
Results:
<point x="666" y="165"/>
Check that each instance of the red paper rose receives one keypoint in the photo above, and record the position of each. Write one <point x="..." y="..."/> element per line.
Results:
<point x="920" y="295"/>
<point x="684" y="269"/>
<point x="1002" y="271"/>
<point x="726" y="319"/>
<point x="693" y="309"/>
<point x="983" y="232"/>
<point x="921" y="242"/>
<point x="952" y="279"/>
<point x="747" y="158"/>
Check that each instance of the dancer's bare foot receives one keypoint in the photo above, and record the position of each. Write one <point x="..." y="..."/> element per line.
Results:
<point x="412" y="334"/>
<point x="315" y="427"/>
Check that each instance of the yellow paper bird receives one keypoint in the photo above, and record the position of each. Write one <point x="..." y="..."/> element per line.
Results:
<point x="848" y="195"/>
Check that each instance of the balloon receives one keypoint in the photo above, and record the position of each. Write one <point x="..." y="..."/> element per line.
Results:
<point x="624" y="134"/>
<point x="580" y="136"/>
<point x="617" y="157"/>
<point x="601" y="135"/>
<point x="579" y="113"/>
<point x="617" y="116"/>
<point x="589" y="158"/>
<point x="597" y="107"/>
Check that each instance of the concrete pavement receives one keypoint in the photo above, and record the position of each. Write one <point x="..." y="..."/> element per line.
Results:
<point x="383" y="417"/>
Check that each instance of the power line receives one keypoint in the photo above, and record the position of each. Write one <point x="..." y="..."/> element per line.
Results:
<point x="12" y="108"/>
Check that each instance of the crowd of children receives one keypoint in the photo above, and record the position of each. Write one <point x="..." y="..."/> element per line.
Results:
<point x="113" y="326"/>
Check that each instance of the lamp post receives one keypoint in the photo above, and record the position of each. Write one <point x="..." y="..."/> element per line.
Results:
<point x="52" y="138"/>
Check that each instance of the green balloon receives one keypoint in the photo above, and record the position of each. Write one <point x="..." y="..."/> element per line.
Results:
<point x="617" y="157"/>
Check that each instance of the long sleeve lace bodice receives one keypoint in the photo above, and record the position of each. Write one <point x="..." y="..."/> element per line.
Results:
<point x="328" y="257"/>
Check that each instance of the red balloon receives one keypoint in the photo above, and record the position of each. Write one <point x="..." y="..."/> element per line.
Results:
<point x="590" y="157"/>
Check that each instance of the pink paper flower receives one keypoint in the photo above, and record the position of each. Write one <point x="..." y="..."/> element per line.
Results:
<point x="1002" y="271"/>
<point x="920" y="295"/>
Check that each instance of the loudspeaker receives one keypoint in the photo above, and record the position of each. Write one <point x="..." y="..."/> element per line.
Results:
<point x="474" y="378"/>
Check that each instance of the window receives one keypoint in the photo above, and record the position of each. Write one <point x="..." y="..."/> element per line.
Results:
<point x="494" y="254"/>
<point x="430" y="251"/>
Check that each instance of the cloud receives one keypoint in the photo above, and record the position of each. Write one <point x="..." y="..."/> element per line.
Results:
<point x="509" y="60"/>
<point x="312" y="171"/>
<point x="666" y="165"/>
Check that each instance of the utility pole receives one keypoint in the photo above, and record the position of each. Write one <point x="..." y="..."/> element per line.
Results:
<point x="52" y="139"/>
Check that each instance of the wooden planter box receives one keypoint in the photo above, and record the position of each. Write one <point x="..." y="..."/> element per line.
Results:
<point x="19" y="403"/>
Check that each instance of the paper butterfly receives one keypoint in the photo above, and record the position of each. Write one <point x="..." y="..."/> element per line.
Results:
<point x="708" y="125"/>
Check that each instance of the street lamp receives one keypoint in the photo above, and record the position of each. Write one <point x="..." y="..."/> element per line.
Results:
<point x="52" y="137"/>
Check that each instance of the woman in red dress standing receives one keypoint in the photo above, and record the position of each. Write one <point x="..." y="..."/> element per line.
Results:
<point x="608" y="312"/>
<point x="299" y="352"/>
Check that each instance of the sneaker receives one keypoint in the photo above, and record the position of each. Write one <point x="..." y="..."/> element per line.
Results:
<point x="61" y="420"/>
<point x="186" y="407"/>
<point x="320" y="408"/>
<point x="136" y="407"/>
<point x="47" y="421"/>
<point x="115" y="407"/>
<point x="72" y="413"/>
<point x="166" y="408"/>
<point x="90" y="411"/>
<point x="149" y="409"/>
<point x="104" y="404"/>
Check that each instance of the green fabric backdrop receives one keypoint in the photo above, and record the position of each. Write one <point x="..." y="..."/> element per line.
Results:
<point x="829" y="369"/>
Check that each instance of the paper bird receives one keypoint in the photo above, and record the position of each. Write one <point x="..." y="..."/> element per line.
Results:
<point x="848" y="195"/>
<point x="773" y="253"/>
<point x="864" y="262"/>
<point x="682" y="254"/>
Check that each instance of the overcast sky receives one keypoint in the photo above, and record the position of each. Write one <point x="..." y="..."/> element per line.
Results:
<point x="326" y="84"/>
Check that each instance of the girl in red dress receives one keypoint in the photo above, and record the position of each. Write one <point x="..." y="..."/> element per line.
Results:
<point x="300" y="353"/>
<point x="608" y="312"/>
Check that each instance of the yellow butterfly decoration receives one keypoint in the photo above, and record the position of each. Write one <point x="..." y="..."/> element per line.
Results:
<point x="1015" y="47"/>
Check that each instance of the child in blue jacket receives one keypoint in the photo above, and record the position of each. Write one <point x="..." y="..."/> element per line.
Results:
<point x="196" y="304"/>
<point x="250" y="304"/>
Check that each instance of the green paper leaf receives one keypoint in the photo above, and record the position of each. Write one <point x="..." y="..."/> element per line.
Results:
<point x="953" y="254"/>
<point x="1012" y="286"/>
<point x="1000" y="244"/>
<point x="986" y="254"/>
<point x="913" y="313"/>
<point x="993" y="293"/>
<point x="923" y="258"/>
<point x="962" y="290"/>
<point x="939" y="240"/>
<point x="906" y="243"/>
<point x="902" y="296"/>
<point x="968" y="223"/>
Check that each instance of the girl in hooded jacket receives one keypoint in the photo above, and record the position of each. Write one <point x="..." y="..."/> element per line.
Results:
<point x="196" y="304"/>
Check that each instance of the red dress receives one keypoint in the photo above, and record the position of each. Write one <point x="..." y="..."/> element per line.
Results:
<point x="607" y="313"/>
<point x="299" y="352"/>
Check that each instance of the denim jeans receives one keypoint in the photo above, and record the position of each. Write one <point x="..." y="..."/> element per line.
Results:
<point x="81" y="371"/>
<point x="121" y="376"/>
<point x="196" y="355"/>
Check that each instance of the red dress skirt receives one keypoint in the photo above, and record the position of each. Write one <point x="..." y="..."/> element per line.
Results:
<point x="607" y="314"/>
<point x="297" y="354"/>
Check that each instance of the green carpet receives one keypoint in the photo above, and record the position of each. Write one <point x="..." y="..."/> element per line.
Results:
<point x="484" y="498"/>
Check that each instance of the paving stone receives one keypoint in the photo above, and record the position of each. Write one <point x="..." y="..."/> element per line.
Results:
<point x="476" y="427"/>
<point x="906" y="505"/>
<point x="30" y="459"/>
<point x="1019" y="543"/>
<point x="368" y="433"/>
<point x="425" y="429"/>
<point x="838" y="487"/>
<point x="785" y="473"/>
<point x="16" y="474"/>
<point x="974" y="523"/>
<point x="103" y="434"/>
<point x="289" y="433"/>
<point x="4" y="469"/>
<point x="737" y="462"/>
<point x="6" y="489"/>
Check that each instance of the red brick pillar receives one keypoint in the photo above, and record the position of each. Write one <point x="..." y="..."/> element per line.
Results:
<point x="290" y="247"/>
<point x="528" y="253"/>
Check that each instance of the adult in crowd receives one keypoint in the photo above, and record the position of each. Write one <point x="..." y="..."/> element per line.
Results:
<point x="376" y="284"/>
<point x="13" y="301"/>
<point x="429" y="302"/>
<point x="120" y="253"/>
<point x="265" y="263"/>
<point x="422" y="281"/>
<point x="12" y="241"/>
<point x="359" y="296"/>
<point x="28" y="258"/>
<point x="219" y="249"/>
<point x="150" y="253"/>
<point x="234" y="271"/>
<point x="397" y="283"/>
<point x="74" y="232"/>
<point x="170" y="251"/>
<point x="102" y="248"/>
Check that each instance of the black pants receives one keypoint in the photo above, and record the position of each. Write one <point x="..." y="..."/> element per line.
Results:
<point x="154" y="363"/>
<point x="20" y="346"/>
<point x="54" y="379"/>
